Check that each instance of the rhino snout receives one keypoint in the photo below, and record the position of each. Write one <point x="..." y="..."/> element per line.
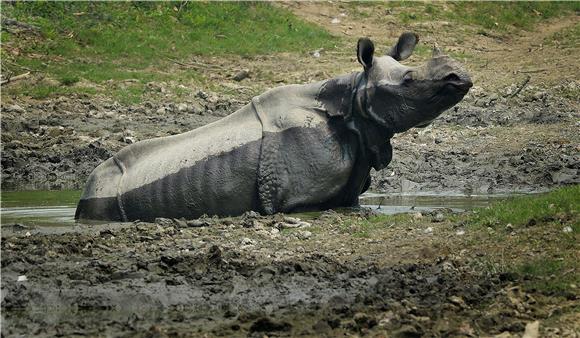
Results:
<point x="458" y="80"/>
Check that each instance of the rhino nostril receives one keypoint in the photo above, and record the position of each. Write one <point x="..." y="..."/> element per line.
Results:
<point x="452" y="78"/>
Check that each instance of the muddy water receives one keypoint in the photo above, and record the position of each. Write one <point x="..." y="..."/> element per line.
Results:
<point x="57" y="208"/>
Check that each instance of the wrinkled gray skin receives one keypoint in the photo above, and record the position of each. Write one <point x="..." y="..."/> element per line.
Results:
<point x="297" y="147"/>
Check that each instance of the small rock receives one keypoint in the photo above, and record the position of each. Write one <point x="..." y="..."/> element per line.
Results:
<point x="250" y="214"/>
<point x="417" y="216"/>
<point x="28" y="234"/>
<point x="539" y="96"/>
<point x="532" y="330"/>
<point x="180" y="222"/>
<point x="22" y="278"/>
<point x="248" y="241"/>
<point x="317" y="52"/>
<point x="182" y="107"/>
<point x="242" y="74"/>
<point x="509" y="227"/>
<point x="335" y="21"/>
<point x="292" y="220"/>
<point x="460" y="232"/>
<point x="128" y="139"/>
<point x="567" y="229"/>
<point x="160" y="111"/>
<point x="196" y="223"/>
<point x="201" y="94"/>
<point x="388" y="317"/>
<point x="165" y="222"/>
<point x="456" y="300"/>
<point x="439" y="217"/>
<point x="429" y="230"/>
<point x="304" y="234"/>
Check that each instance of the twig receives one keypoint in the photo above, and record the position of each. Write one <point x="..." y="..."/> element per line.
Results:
<point x="15" y="78"/>
<point x="522" y="86"/>
<point x="532" y="71"/>
<point x="190" y="64"/>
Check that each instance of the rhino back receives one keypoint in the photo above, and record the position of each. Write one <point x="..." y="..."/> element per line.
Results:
<point x="210" y="170"/>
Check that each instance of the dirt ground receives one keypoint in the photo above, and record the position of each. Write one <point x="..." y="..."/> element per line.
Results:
<point x="323" y="275"/>
<point x="412" y="276"/>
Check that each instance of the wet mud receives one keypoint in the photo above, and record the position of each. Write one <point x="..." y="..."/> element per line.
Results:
<point x="253" y="276"/>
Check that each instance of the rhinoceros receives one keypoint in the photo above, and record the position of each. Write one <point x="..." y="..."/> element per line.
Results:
<point x="295" y="147"/>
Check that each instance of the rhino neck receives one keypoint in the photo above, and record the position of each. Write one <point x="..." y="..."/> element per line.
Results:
<point x="345" y="98"/>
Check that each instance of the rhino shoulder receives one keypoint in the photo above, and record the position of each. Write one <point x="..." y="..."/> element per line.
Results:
<point x="289" y="107"/>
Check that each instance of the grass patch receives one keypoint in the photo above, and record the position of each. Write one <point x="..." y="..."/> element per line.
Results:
<point x="551" y="275"/>
<point x="530" y="209"/>
<point x="503" y="15"/>
<point x="491" y="15"/>
<point x="40" y="198"/>
<point x="568" y="38"/>
<point x="99" y="41"/>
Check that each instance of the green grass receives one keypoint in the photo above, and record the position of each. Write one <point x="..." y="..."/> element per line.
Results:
<point x="99" y="41"/>
<point x="491" y="15"/>
<point x="39" y="198"/>
<point x="503" y="15"/>
<point x="551" y="275"/>
<point x="540" y="208"/>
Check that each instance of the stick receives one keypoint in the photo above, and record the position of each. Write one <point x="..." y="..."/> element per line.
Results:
<point x="190" y="64"/>
<point x="15" y="78"/>
<point x="533" y="70"/>
<point x="522" y="86"/>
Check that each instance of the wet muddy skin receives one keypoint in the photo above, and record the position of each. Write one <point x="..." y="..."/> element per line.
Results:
<point x="248" y="276"/>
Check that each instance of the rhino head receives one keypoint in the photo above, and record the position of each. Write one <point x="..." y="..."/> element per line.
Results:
<point x="401" y="97"/>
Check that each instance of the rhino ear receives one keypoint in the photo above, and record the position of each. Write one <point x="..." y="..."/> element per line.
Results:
<point x="404" y="47"/>
<point x="365" y="51"/>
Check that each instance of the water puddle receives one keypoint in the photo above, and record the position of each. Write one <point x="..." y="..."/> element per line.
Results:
<point x="56" y="209"/>
<point x="400" y="203"/>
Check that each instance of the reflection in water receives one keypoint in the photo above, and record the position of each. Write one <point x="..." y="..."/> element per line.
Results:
<point x="394" y="204"/>
<point x="40" y="216"/>
<point x="63" y="215"/>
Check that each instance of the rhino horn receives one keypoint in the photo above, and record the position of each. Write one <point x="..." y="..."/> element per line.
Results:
<point x="436" y="51"/>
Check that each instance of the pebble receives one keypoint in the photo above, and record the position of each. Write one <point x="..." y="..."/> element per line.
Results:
<point x="509" y="227"/>
<point x="429" y="230"/>
<point x="248" y="241"/>
<point x="22" y="278"/>
<point x="196" y="223"/>
<point x="304" y="234"/>
<point x="439" y="217"/>
<point x="567" y="229"/>
<point x="242" y="74"/>
<point x="182" y="107"/>
<point x="460" y="232"/>
<point x="532" y="330"/>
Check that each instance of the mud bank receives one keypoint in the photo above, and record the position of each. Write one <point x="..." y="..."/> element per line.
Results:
<point x="255" y="276"/>
<point x="489" y="143"/>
